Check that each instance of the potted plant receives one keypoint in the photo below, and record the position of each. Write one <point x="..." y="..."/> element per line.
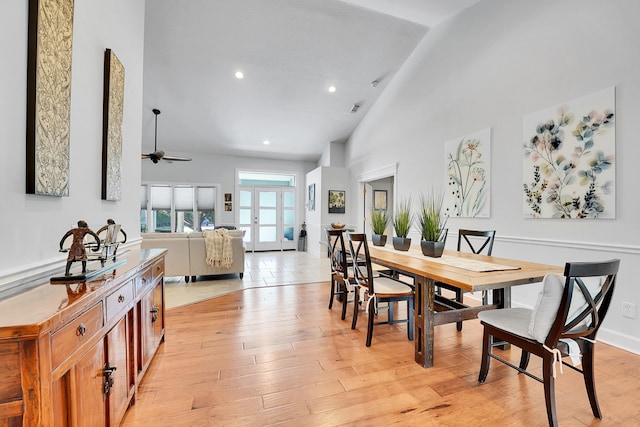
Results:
<point x="379" y="223"/>
<point x="432" y="224"/>
<point x="402" y="223"/>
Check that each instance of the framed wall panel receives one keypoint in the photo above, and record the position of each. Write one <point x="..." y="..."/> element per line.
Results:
<point x="112" y="127"/>
<point x="49" y="96"/>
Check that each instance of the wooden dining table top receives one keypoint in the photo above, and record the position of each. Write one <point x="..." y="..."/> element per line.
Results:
<point x="414" y="262"/>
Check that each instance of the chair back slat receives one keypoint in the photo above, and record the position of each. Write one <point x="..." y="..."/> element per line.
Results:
<point x="597" y="298"/>
<point x="337" y="253"/>
<point x="487" y="242"/>
<point x="363" y="272"/>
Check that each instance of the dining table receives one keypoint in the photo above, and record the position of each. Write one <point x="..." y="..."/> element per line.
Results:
<point x="467" y="271"/>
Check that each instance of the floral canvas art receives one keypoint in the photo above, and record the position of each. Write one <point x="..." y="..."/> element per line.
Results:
<point x="569" y="159"/>
<point x="468" y="161"/>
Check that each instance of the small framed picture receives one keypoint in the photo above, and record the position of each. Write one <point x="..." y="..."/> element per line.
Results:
<point x="380" y="200"/>
<point x="312" y="197"/>
<point x="228" y="203"/>
<point x="336" y="201"/>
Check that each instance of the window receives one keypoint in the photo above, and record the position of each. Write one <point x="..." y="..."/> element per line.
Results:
<point x="206" y="199"/>
<point x="181" y="208"/>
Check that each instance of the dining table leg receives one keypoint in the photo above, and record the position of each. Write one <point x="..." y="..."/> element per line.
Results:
<point x="424" y="320"/>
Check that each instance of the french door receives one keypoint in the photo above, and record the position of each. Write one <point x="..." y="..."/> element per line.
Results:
<point x="267" y="214"/>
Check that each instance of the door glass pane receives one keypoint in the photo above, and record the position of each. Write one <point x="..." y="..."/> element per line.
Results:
<point x="267" y="234"/>
<point x="244" y="216"/>
<point x="245" y="198"/>
<point x="288" y="233"/>
<point x="268" y="199"/>
<point x="289" y="199"/>
<point x="289" y="216"/>
<point x="267" y="216"/>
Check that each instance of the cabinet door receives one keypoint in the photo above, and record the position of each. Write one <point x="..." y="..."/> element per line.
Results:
<point x="151" y="324"/>
<point x="86" y="397"/>
<point x="119" y="354"/>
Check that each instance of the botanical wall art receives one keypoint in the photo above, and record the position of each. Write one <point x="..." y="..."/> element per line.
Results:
<point x="49" y="96"/>
<point x="336" y="201"/>
<point x="569" y="154"/>
<point x="468" y="167"/>
<point x="112" y="127"/>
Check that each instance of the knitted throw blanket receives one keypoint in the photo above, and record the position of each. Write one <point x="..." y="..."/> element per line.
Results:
<point x="218" y="247"/>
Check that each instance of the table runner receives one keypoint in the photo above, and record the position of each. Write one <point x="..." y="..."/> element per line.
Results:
<point x="464" y="263"/>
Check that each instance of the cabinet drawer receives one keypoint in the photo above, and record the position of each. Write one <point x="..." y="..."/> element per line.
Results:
<point x="143" y="280"/>
<point x="118" y="300"/>
<point x="157" y="269"/>
<point x="66" y="340"/>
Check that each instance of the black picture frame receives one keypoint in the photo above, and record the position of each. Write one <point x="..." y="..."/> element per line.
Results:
<point x="337" y="201"/>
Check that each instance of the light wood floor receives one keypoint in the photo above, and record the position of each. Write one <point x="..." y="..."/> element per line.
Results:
<point x="278" y="356"/>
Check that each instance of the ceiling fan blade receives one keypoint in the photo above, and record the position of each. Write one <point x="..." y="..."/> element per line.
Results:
<point x="177" y="159"/>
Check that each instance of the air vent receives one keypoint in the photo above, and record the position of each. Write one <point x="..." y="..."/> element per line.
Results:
<point x="355" y="108"/>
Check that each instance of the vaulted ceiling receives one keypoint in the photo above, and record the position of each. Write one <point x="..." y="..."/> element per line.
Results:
<point x="290" y="53"/>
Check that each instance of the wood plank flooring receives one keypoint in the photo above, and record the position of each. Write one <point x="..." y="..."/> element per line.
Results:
<point x="278" y="356"/>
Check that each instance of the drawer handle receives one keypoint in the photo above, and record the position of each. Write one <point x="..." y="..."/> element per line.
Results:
<point x="82" y="330"/>
<point x="157" y="268"/>
<point x="121" y="298"/>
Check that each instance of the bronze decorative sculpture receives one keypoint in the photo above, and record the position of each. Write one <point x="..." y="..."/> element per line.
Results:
<point x="77" y="251"/>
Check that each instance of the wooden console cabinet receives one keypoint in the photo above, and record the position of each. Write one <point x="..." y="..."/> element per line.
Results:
<point x="74" y="354"/>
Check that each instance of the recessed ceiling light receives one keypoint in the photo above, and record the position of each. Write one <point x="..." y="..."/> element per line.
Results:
<point x="332" y="89"/>
<point x="266" y="142"/>
<point x="239" y="75"/>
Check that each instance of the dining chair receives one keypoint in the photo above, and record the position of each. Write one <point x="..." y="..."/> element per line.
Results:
<point x="476" y="241"/>
<point x="564" y="322"/>
<point x="341" y="282"/>
<point x="374" y="289"/>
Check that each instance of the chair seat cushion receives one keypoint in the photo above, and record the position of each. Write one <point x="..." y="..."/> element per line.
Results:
<point x="386" y="285"/>
<point x="514" y="320"/>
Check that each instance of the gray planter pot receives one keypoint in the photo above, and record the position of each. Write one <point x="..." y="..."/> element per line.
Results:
<point x="401" y="243"/>
<point x="432" y="249"/>
<point x="379" y="239"/>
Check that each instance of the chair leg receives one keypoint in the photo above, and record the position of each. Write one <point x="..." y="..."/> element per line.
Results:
<point x="410" y="318"/>
<point x="484" y="363"/>
<point x="524" y="359"/>
<point x="356" y="306"/>
<point x="372" y="314"/>
<point x="333" y="292"/>
<point x="549" y="389"/>
<point x="587" y="370"/>
<point x="459" y="299"/>
<point x="345" y="295"/>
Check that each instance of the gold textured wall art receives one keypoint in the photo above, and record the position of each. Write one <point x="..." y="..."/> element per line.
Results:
<point x="49" y="96"/>
<point x="112" y="127"/>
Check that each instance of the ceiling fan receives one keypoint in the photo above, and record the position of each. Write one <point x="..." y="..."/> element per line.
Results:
<point x="158" y="155"/>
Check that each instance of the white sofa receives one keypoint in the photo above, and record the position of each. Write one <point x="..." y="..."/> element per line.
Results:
<point x="186" y="254"/>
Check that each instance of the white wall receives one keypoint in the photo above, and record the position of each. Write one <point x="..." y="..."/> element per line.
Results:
<point x="489" y="66"/>
<point x="33" y="225"/>
<point x="328" y="178"/>
<point x="221" y="169"/>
